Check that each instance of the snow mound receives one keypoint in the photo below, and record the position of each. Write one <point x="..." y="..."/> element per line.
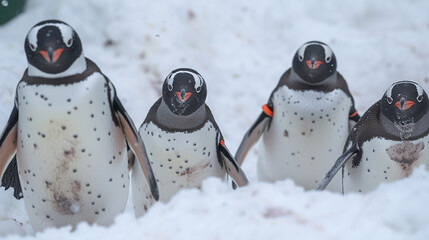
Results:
<point x="273" y="211"/>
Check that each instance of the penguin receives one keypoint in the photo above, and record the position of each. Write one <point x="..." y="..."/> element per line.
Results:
<point x="183" y="141"/>
<point x="69" y="133"/>
<point x="305" y="122"/>
<point x="388" y="142"/>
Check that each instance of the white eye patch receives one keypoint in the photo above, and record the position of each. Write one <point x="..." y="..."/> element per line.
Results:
<point x="32" y="38"/>
<point x="197" y="78"/>
<point x="419" y="90"/>
<point x="170" y="82"/>
<point x="328" y="51"/>
<point x="65" y="30"/>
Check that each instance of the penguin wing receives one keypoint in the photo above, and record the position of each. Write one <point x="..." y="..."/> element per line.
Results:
<point x="8" y="167"/>
<point x="231" y="165"/>
<point x="337" y="165"/>
<point x="254" y="133"/>
<point x="11" y="179"/>
<point x="353" y="117"/>
<point x="136" y="144"/>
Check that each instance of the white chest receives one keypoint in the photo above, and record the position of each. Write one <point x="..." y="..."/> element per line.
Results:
<point x="384" y="161"/>
<point x="307" y="134"/>
<point x="70" y="153"/>
<point x="180" y="159"/>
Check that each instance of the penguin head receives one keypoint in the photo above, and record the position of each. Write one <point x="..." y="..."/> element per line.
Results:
<point x="184" y="91"/>
<point x="314" y="62"/>
<point x="52" y="46"/>
<point x="404" y="102"/>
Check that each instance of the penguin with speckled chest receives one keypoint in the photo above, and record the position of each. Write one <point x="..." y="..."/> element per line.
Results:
<point x="183" y="141"/>
<point x="388" y="142"/>
<point x="305" y="122"/>
<point x="70" y="133"/>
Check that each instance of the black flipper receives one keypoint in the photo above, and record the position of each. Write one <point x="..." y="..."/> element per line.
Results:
<point x="136" y="144"/>
<point x="354" y="115"/>
<point x="338" y="164"/>
<point x="10" y="179"/>
<point x="253" y="134"/>
<point x="231" y="166"/>
<point x="8" y="167"/>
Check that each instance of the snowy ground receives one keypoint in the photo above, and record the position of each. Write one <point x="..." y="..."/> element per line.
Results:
<point x="241" y="48"/>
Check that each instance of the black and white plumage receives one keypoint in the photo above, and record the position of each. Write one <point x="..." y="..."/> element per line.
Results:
<point x="387" y="143"/>
<point x="70" y="134"/>
<point x="305" y="122"/>
<point x="183" y="141"/>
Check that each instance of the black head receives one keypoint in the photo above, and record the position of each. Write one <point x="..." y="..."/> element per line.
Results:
<point x="404" y="102"/>
<point x="52" y="46"/>
<point x="184" y="91"/>
<point x="314" y="62"/>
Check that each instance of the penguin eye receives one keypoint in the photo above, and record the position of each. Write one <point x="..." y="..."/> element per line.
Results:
<point x="69" y="42"/>
<point x="300" y="58"/>
<point x="328" y="59"/>
<point x="420" y="98"/>
<point x="198" y="89"/>
<point x="32" y="47"/>
<point x="170" y="87"/>
<point x="389" y="100"/>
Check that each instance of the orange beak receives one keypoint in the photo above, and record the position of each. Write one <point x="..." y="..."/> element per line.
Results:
<point x="404" y="105"/>
<point x="57" y="54"/>
<point x="313" y="64"/>
<point x="51" y="56"/>
<point x="183" y="96"/>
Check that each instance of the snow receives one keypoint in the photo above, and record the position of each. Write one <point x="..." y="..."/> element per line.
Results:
<point x="241" y="48"/>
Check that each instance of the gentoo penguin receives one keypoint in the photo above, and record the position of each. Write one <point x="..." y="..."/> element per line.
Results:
<point x="305" y="122"/>
<point x="183" y="141"/>
<point x="390" y="139"/>
<point x="70" y="134"/>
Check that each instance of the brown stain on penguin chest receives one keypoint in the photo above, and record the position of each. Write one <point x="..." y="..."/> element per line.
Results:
<point x="64" y="191"/>
<point x="405" y="154"/>
<point x="64" y="161"/>
<point x="66" y="203"/>
<point x="190" y="171"/>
